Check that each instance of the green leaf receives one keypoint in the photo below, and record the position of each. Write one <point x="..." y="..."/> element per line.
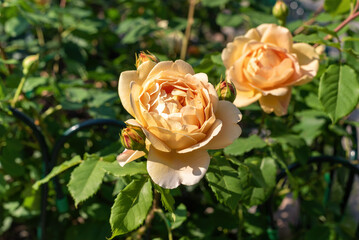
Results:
<point x="243" y="145"/>
<point x="166" y="198"/>
<point x="229" y="20"/>
<point x="268" y="169"/>
<point x="257" y="177"/>
<point x="57" y="170"/>
<point x="77" y="95"/>
<point x="131" y="207"/>
<point x="86" y="179"/>
<point x="16" y="26"/>
<point x="132" y="168"/>
<point x="322" y="29"/>
<point x="339" y="91"/>
<point x="226" y="182"/>
<point x="337" y="7"/>
<point x="180" y="215"/>
<point x="300" y="149"/>
<point x="34" y="82"/>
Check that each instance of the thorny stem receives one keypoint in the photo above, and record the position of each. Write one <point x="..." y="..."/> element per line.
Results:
<point x="192" y="4"/>
<point x="351" y="16"/>
<point x="310" y="21"/>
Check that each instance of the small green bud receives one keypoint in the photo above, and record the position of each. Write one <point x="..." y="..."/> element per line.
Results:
<point x="280" y="11"/>
<point x="144" y="57"/>
<point x="226" y="91"/>
<point x="133" y="138"/>
<point x="30" y="64"/>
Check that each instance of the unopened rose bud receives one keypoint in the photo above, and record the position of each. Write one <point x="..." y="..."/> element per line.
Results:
<point x="30" y="64"/>
<point x="144" y="57"/>
<point x="133" y="138"/>
<point x="280" y="11"/>
<point x="226" y="91"/>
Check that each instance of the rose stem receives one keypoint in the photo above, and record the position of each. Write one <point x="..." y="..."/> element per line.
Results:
<point x="310" y="21"/>
<point x="192" y="4"/>
<point x="351" y="16"/>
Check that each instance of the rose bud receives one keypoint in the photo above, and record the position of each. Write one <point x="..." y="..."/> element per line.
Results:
<point x="30" y="64"/>
<point x="133" y="138"/>
<point x="226" y="91"/>
<point x="144" y="57"/>
<point x="280" y="11"/>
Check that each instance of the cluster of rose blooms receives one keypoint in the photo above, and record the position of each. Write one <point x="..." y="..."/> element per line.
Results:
<point x="178" y="115"/>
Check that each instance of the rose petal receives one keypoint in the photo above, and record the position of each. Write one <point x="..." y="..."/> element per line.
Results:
<point x="143" y="70"/>
<point x="209" y="87"/>
<point x="161" y="66"/>
<point x="128" y="156"/>
<point x="233" y="51"/>
<point x="308" y="60"/>
<point x="212" y="132"/>
<point x="230" y="116"/>
<point x="124" y="89"/>
<point x="253" y="34"/>
<point x="132" y="76"/>
<point x="276" y="92"/>
<point x="183" y="67"/>
<point x="134" y="96"/>
<point x="277" y="35"/>
<point x="172" y="139"/>
<point x="244" y="98"/>
<point x="157" y="143"/>
<point x="276" y="104"/>
<point x="169" y="170"/>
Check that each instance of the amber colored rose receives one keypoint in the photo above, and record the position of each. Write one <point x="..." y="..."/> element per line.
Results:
<point x="264" y="64"/>
<point x="181" y="116"/>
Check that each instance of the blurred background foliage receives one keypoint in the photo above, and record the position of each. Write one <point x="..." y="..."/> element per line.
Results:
<point x="84" y="45"/>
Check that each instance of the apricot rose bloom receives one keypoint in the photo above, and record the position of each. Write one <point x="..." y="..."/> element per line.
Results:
<point x="264" y="64"/>
<point x="181" y="116"/>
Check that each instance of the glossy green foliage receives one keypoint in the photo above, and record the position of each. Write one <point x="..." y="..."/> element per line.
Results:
<point x="83" y="47"/>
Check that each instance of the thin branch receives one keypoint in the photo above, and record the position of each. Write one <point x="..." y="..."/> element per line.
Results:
<point x="63" y="3"/>
<point x="190" y="20"/>
<point x="310" y="21"/>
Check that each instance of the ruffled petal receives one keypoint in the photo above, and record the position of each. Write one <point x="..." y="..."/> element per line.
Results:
<point x="233" y="51"/>
<point x="169" y="170"/>
<point x="156" y="142"/>
<point x="132" y="76"/>
<point x="143" y="70"/>
<point x="183" y="67"/>
<point x="128" y="156"/>
<point x="135" y="92"/>
<point x="277" y="92"/>
<point x="308" y="60"/>
<point x="246" y="98"/>
<point x="277" y="35"/>
<point x="276" y="104"/>
<point x="210" y="134"/>
<point x="124" y="89"/>
<point x="230" y="116"/>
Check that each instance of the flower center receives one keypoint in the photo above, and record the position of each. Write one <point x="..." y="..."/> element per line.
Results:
<point x="266" y="67"/>
<point x="177" y="104"/>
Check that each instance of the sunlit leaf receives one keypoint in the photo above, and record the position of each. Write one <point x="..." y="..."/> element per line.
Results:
<point x="339" y="91"/>
<point x="243" y="145"/>
<point x="226" y="182"/>
<point x="57" y="170"/>
<point x="86" y="179"/>
<point x="131" y="207"/>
